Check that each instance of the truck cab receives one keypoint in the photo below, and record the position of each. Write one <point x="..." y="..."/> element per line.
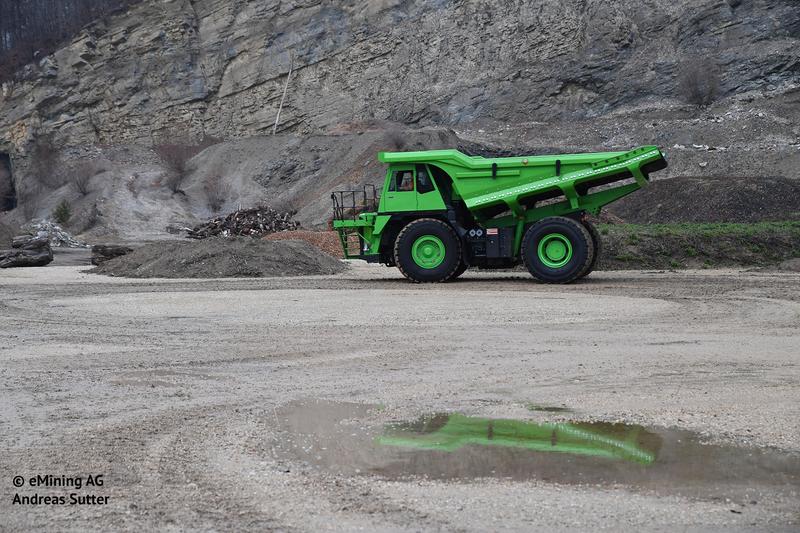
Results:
<point x="410" y="188"/>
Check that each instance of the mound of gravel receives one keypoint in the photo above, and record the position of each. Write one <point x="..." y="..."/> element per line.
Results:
<point x="222" y="258"/>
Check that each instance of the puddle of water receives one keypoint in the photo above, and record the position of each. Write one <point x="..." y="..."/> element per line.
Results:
<point x="351" y="439"/>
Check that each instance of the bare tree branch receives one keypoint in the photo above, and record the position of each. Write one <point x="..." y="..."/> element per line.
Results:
<point x="283" y="98"/>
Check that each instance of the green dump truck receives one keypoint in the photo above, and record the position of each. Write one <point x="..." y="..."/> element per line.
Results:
<point x="441" y="211"/>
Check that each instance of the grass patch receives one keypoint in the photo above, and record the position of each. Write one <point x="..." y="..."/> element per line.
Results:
<point x="626" y="258"/>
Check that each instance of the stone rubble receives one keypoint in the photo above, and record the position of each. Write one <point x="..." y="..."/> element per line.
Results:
<point x="55" y="234"/>
<point x="27" y="251"/>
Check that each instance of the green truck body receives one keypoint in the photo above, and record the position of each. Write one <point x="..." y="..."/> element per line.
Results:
<point x="441" y="211"/>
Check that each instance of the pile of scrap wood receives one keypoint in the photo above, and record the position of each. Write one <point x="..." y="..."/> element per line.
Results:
<point x="27" y="251"/>
<point x="255" y="222"/>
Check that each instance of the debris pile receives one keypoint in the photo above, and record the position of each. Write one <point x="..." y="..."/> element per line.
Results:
<point x="255" y="222"/>
<point x="27" y="251"/>
<point x="103" y="252"/>
<point x="220" y="257"/>
<point x="55" y="234"/>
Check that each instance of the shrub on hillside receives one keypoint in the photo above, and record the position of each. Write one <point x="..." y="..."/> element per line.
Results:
<point x="699" y="81"/>
<point x="62" y="213"/>
<point x="176" y="156"/>
<point x="44" y="166"/>
<point x="217" y="192"/>
<point x="80" y="174"/>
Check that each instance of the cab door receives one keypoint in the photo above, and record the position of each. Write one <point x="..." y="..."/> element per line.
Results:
<point x="428" y="197"/>
<point x="400" y="192"/>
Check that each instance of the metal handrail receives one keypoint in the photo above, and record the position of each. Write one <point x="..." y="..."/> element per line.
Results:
<point x="348" y="204"/>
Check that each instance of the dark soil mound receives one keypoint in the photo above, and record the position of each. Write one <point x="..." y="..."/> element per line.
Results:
<point x="631" y="246"/>
<point x="712" y="200"/>
<point x="222" y="258"/>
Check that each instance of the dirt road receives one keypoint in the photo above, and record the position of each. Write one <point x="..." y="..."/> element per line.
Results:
<point x="257" y="404"/>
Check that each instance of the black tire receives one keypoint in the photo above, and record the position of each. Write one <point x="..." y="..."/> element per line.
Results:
<point x="460" y="270"/>
<point x="410" y="235"/>
<point x="598" y="248"/>
<point x="572" y="235"/>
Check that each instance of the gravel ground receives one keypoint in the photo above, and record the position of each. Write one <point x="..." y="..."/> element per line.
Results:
<point x="171" y="389"/>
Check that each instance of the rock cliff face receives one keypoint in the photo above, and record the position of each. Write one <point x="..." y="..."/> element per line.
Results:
<point x="520" y="75"/>
<point x="218" y="66"/>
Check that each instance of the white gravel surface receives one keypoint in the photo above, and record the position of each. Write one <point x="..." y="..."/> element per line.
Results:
<point x="170" y="388"/>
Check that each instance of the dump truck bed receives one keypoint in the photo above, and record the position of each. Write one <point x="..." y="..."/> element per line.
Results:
<point x="482" y="182"/>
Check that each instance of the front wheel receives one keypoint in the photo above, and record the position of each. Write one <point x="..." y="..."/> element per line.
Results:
<point x="557" y="250"/>
<point x="427" y="250"/>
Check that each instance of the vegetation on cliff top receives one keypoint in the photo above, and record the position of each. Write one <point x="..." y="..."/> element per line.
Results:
<point x="32" y="29"/>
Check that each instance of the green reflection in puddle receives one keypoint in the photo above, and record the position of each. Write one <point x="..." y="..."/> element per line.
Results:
<point x="450" y="432"/>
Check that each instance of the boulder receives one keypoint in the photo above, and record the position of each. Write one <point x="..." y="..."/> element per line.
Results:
<point x="28" y="242"/>
<point x="25" y="258"/>
<point x="27" y="251"/>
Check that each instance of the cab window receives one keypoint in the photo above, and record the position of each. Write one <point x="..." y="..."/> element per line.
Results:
<point x="402" y="180"/>
<point x="424" y="181"/>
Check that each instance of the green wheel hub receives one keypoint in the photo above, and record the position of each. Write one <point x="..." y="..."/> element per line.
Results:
<point x="555" y="250"/>
<point x="428" y="251"/>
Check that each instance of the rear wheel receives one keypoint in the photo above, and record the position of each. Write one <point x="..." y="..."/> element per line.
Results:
<point x="557" y="250"/>
<point x="460" y="270"/>
<point x="427" y="251"/>
<point x="597" y="246"/>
